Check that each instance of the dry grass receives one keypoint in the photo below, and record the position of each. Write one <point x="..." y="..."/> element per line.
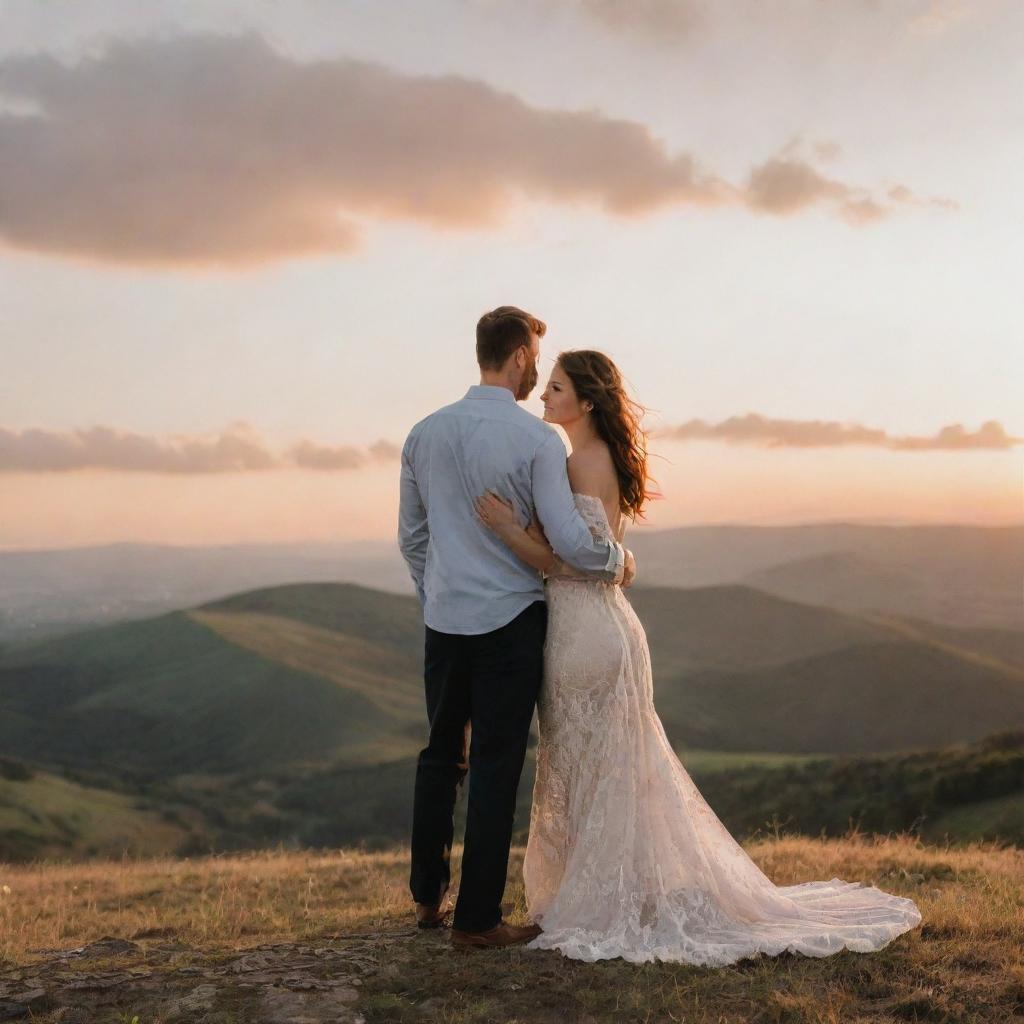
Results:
<point x="234" y="901"/>
<point x="964" y="964"/>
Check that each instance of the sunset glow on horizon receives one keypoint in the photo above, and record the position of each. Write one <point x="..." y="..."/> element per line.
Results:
<point x="243" y="250"/>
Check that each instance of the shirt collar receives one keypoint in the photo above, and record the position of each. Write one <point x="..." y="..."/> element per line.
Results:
<point x="491" y="391"/>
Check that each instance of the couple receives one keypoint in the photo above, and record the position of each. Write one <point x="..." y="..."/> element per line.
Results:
<point x="624" y="857"/>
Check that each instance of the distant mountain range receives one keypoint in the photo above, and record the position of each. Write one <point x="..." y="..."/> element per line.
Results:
<point x="47" y="592"/>
<point x="963" y="576"/>
<point x="303" y="703"/>
<point x="956" y="575"/>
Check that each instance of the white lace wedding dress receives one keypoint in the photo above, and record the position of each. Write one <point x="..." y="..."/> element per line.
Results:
<point x="624" y="856"/>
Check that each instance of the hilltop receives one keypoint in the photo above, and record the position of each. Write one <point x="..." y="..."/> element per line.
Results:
<point x="328" y="936"/>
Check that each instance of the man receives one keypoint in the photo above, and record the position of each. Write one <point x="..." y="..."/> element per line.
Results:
<point x="485" y="617"/>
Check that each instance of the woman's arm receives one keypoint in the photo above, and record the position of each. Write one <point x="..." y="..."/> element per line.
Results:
<point x="572" y="539"/>
<point x="530" y="544"/>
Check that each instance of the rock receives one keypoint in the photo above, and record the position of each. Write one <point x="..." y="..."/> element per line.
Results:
<point x="74" y="1015"/>
<point x="108" y="945"/>
<point x="274" y="983"/>
<point x="19" y="1004"/>
<point x="85" y="984"/>
<point x="202" y="997"/>
<point x="29" y="995"/>
<point x="282" y="1006"/>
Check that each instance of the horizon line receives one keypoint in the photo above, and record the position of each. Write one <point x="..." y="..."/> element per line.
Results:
<point x="865" y="522"/>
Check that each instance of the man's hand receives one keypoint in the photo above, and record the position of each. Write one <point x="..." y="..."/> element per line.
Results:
<point x="628" y="569"/>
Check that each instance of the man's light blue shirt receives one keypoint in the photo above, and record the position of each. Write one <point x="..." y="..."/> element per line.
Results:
<point x="467" y="579"/>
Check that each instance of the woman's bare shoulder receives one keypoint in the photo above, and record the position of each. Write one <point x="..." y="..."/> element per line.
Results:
<point x="592" y="471"/>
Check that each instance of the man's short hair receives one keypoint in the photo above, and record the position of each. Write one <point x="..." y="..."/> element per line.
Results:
<point x="500" y="332"/>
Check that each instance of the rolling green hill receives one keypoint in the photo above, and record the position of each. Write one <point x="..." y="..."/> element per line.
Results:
<point x="295" y="713"/>
<point x="316" y="674"/>
<point x="174" y="693"/>
<point x="1003" y="646"/>
<point x="960" y="792"/>
<point x="45" y="815"/>
<point x="869" y="697"/>
<point x="732" y="628"/>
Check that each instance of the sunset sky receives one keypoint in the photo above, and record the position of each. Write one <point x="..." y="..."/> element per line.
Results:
<point x="243" y="248"/>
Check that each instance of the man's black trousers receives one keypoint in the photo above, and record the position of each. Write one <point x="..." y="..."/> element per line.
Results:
<point x="489" y="681"/>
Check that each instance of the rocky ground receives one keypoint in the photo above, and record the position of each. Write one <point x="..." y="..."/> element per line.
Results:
<point x="306" y="938"/>
<point x="114" y="979"/>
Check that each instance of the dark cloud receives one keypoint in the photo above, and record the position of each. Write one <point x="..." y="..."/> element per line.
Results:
<point x="776" y="433"/>
<point x="218" y="150"/>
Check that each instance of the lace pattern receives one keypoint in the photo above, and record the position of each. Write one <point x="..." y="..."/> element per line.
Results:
<point x="625" y="858"/>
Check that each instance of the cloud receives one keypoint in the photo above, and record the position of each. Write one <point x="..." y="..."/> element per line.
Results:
<point x="938" y="16"/>
<point x="658" y="19"/>
<point x="238" y="448"/>
<point x="315" y="456"/>
<point x="827" y="150"/>
<point x="667" y="23"/>
<point x="787" y="183"/>
<point x="783" y="185"/>
<point x="755" y="429"/>
<point x="902" y="194"/>
<point x="990" y="435"/>
<point x="789" y="186"/>
<point x="212" y="150"/>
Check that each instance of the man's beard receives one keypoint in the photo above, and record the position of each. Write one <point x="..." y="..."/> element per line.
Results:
<point x="528" y="383"/>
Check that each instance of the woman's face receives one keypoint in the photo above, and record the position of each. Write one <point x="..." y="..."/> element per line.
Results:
<point x="560" y="402"/>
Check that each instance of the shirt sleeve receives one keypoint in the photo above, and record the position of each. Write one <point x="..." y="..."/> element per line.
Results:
<point x="413" y="531"/>
<point x="563" y="525"/>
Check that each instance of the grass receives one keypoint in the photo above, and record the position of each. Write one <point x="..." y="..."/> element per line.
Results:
<point x="964" y="964"/>
<point x="1001" y="816"/>
<point x="707" y="761"/>
<point x="51" y="815"/>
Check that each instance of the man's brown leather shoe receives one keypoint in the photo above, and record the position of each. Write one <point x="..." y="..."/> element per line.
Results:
<point x="501" y="934"/>
<point x="432" y="915"/>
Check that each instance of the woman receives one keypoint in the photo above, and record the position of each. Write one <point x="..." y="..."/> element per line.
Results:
<point x="624" y="856"/>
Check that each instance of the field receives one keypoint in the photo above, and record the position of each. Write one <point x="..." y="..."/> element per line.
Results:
<point x="281" y="935"/>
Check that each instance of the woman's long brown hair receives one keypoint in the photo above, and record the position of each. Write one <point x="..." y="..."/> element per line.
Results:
<point x="617" y="421"/>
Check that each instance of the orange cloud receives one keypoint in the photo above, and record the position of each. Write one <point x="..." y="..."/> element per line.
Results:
<point x="316" y="456"/>
<point x="236" y="448"/>
<point x="659" y="19"/>
<point x="902" y="194"/>
<point x="776" y="433"/>
<point x="218" y="150"/>
<point x="239" y="446"/>
<point x="671" y="21"/>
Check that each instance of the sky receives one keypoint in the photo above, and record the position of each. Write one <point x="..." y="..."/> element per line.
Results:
<point x="243" y="249"/>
